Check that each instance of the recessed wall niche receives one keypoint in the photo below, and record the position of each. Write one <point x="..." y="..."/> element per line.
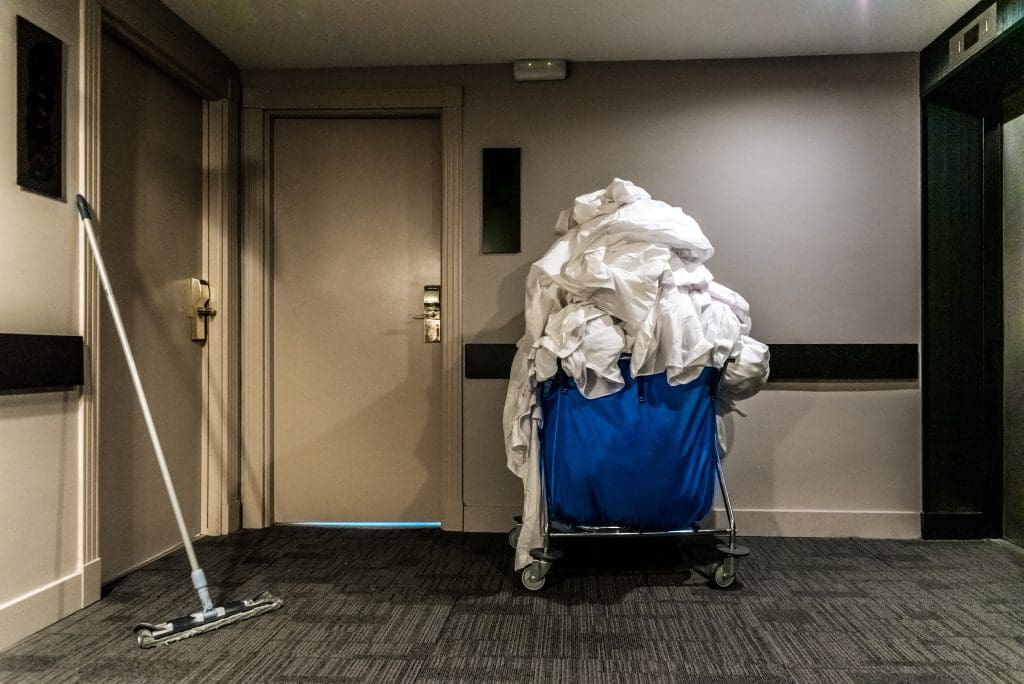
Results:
<point x="500" y="200"/>
<point x="40" y="111"/>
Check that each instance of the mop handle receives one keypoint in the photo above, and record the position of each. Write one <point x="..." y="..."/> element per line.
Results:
<point x="85" y="211"/>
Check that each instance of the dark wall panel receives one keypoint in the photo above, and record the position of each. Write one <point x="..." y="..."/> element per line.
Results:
<point x="40" y="110"/>
<point x="40" y="362"/>
<point x="501" y="203"/>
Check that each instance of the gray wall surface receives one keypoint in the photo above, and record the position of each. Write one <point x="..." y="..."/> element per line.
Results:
<point x="804" y="173"/>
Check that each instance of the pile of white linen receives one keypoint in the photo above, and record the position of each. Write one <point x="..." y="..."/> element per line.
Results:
<point x="626" y="275"/>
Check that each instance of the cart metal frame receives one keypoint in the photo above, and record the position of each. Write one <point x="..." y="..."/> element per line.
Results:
<point x="723" y="572"/>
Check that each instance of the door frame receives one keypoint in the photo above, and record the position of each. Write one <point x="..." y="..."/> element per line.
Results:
<point x="166" y="41"/>
<point x="962" y="113"/>
<point x="260" y="108"/>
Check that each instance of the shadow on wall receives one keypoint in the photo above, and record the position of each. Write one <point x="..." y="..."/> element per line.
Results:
<point x="756" y="449"/>
<point x="501" y="328"/>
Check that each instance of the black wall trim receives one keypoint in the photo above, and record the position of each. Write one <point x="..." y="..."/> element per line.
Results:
<point x="790" y="362"/>
<point x="489" y="361"/>
<point x="843" y="362"/>
<point x="40" y="362"/>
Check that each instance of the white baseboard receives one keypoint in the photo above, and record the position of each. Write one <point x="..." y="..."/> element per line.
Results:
<point x="28" y="614"/>
<point x="757" y="523"/>
<point x="809" y="523"/>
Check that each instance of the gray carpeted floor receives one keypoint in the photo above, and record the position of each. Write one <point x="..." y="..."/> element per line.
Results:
<point x="428" y="606"/>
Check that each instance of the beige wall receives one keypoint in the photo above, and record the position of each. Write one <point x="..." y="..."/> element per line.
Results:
<point x="804" y="173"/>
<point x="39" y="293"/>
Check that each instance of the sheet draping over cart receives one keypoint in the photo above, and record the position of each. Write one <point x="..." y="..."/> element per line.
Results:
<point x="626" y="275"/>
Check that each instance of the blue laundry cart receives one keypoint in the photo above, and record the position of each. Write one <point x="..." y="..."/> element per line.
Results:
<point x="641" y="462"/>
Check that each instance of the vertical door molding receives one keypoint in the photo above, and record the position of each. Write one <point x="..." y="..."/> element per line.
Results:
<point x="257" y="421"/>
<point x="221" y="506"/>
<point x="451" y="304"/>
<point x="90" y="51"/>
<point x="260" y="108"/>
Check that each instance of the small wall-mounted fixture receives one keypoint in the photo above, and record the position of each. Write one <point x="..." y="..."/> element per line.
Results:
<point x="539" y="70"/>
<point x="970" y="39"/>
<point x="40" y="110"/>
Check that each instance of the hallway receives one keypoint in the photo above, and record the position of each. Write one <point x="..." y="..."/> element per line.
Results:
<point x="430" y="606"/>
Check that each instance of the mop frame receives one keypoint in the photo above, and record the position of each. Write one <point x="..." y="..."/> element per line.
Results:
<point x="210" y="616"/>
<point x="723" y="572"/>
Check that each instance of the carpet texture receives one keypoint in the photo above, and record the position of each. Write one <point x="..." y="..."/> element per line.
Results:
<point x="430" y="606"/>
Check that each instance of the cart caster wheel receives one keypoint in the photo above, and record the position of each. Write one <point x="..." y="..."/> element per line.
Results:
<point x="513" y="536"/>
<point x="530" y="581"/>
<point x="724" y="576"/>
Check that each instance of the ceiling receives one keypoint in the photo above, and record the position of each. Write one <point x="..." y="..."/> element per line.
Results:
<point x="342" y="33"/>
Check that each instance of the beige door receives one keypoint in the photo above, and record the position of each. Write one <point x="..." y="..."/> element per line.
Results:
<point x="356" y="390"/>
<point x="150" y="234"/>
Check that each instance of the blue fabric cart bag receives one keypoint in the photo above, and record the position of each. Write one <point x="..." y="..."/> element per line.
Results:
<point x="642" y="458"/>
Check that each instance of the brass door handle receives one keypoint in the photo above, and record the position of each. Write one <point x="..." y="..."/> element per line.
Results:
<point x="431" y="315"/>
<point x="199" y="300"/>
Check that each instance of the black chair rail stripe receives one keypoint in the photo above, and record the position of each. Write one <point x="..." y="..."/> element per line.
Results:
<point x="789" y="362"/>
<point x="40" y="362"/>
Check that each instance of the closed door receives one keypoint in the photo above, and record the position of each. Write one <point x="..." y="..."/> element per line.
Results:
<point x="356" y="389"/>
<point x="1013" y="329"/>
<point x="150" y="234"/>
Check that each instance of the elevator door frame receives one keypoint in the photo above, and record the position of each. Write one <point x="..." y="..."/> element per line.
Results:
<point x="963" y="108"/>
<point x="260" y="107"/>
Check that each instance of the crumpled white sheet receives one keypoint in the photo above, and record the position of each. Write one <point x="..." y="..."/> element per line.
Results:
<point x="722" y="329"/>
<point x="670" y="339"/>
<point x="625" y="275"/>
<point x="598" y="203"/>
<point x="748" y="372"/>
<point x="588" y="344"/>
<point x="745" y="375"/>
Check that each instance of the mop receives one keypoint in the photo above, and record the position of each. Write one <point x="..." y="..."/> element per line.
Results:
<point x="210" y="617"/>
